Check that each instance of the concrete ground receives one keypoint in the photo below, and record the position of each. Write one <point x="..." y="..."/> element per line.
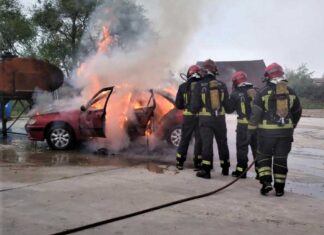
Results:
<point x="43" y="191"/>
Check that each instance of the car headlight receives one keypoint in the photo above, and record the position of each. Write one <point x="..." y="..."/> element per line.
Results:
<point x="31" y="121"/>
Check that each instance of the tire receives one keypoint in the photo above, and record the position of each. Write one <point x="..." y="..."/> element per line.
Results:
<point x="60" y="137"/>
<point x="174" y="136"/>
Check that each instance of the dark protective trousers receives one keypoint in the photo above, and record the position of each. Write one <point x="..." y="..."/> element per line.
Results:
<point x="211" y="126"/>
<point x="189" y="127"/>
<point x="242" y="147"/>
<point x="272" y="155"/>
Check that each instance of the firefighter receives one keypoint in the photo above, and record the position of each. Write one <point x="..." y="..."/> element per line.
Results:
<point x="275" y="114"/>
<point x="210" y="98"/>
<point x="240" y="101"/>
<point x="190" y="120"/>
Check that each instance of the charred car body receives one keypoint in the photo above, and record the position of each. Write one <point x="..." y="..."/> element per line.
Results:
<point x="61" y="130"/>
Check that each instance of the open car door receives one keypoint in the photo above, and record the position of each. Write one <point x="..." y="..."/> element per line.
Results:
<point x="93" y="115"/>
<point x="143" y="105"/>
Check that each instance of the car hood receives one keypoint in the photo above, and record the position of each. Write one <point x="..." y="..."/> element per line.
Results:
<point x="53" y="110"/>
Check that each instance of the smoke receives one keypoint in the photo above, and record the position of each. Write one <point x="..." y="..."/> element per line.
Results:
<point x="148" y="39"/>
<point x="144" y="50"/>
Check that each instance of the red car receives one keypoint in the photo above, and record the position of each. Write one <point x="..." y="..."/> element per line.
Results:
<point x="62" y="129"/>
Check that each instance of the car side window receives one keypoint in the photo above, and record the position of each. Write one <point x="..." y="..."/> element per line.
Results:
<point x="98" y="103"/>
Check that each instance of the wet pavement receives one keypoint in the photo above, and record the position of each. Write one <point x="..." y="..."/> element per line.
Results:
<point x="306" y="160"/>
<point x="34" y="178"/>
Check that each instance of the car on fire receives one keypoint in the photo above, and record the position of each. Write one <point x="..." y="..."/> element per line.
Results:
<point x="154" y="111"/>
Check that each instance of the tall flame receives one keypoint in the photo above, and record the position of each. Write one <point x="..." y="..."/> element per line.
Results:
<point x="125" y="101"/>
<point x="106" y="40"/>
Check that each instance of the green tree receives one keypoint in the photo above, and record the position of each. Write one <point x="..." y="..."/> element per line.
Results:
<point x="16" y="30"/>
<point x="67" y="35"/>
<point x="61" y="24"/>
<point x="300" y="80"/>
<point x="312" y="95"/>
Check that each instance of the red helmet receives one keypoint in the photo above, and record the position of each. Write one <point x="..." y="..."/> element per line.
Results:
<point x="238" y="78"/>
<point x="273" y="70"/>
<point x="210" y="66"/>
<point x="193" y="71"/>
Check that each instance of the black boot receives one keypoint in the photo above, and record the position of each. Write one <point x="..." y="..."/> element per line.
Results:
<point x="179" y="165"/>
<point x="266" y="187"/>
<point x="225" y="170"/>
<point x="238" y="174"/>
<point x="279" y="189"/>
<point x="197" y="163"/>
<point x="203" y="174"/>
<point x="257" y="176"/>
<point x="197" y="166"/>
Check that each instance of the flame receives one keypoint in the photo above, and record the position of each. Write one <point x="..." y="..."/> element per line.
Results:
<point x="106" y="40"/>
<point x="172" y="90"/>
<point x="163" y="106"/>
<point x="126" y="98"/>
<point x="148" y="130"/>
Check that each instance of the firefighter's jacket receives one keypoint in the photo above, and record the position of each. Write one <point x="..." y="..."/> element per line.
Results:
<point x="202" y="101"/>
<point x="264" y="117"/>
<point x="184" y="95"/>
<point x="241" y="101"/>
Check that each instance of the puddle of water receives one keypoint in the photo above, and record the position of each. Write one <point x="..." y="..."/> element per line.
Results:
<point x="154" y="168"/>
<point x="66" y="159"/>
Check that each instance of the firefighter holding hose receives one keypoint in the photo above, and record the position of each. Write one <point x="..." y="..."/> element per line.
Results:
<point x="210" y="99"/>
<point x="241" y="100"/>
<point x="190" y="119"/>
<point x="275" y="114"/>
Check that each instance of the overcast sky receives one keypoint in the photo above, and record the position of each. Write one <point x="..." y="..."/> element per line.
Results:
<point x="290" y="32"/>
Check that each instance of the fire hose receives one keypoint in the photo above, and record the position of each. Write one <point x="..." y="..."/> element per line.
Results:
<point x="123" y="217"/>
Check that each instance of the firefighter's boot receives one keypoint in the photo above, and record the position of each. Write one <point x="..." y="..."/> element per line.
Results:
<point x="197" y="164"/>
<point x="266" y="187"/>
<point x="279" y="189"/>
<point x="203" y="174"/>
<point x="237" y="173"/>
<point x="179" y="165"/>
<point x="225" y="170"/>
<point x="257" y="177"/>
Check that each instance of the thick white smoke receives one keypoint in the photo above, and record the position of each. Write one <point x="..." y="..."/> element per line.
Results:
<point x="147" y="60"/>
<point x="142" y="67"/>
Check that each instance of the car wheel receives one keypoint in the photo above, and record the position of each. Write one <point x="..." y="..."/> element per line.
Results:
<point x="60" y="137"/>
<point x="174" y="136"/>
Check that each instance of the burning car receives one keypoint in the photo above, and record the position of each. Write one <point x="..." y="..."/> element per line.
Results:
<point x="155" y="113"/>
<point x="150" y="112"/>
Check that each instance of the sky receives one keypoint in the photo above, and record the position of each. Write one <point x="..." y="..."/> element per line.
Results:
<point x="289" y="32"/>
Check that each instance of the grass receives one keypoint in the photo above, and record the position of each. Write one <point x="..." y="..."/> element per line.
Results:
<point x="19" y="108"/>
<point x="311" y="104"/>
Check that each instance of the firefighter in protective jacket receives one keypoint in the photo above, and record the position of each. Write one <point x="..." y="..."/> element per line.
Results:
<point x="190" y="120"/>
<point x="275" y="114"/>
<point x="241" y="100"/>
<point x="210" y="99"/>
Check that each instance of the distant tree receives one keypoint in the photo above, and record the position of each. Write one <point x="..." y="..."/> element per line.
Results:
<point x="127" y="24"/>
<point x="16" y="30"/>
<point x="301" y="81"/>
